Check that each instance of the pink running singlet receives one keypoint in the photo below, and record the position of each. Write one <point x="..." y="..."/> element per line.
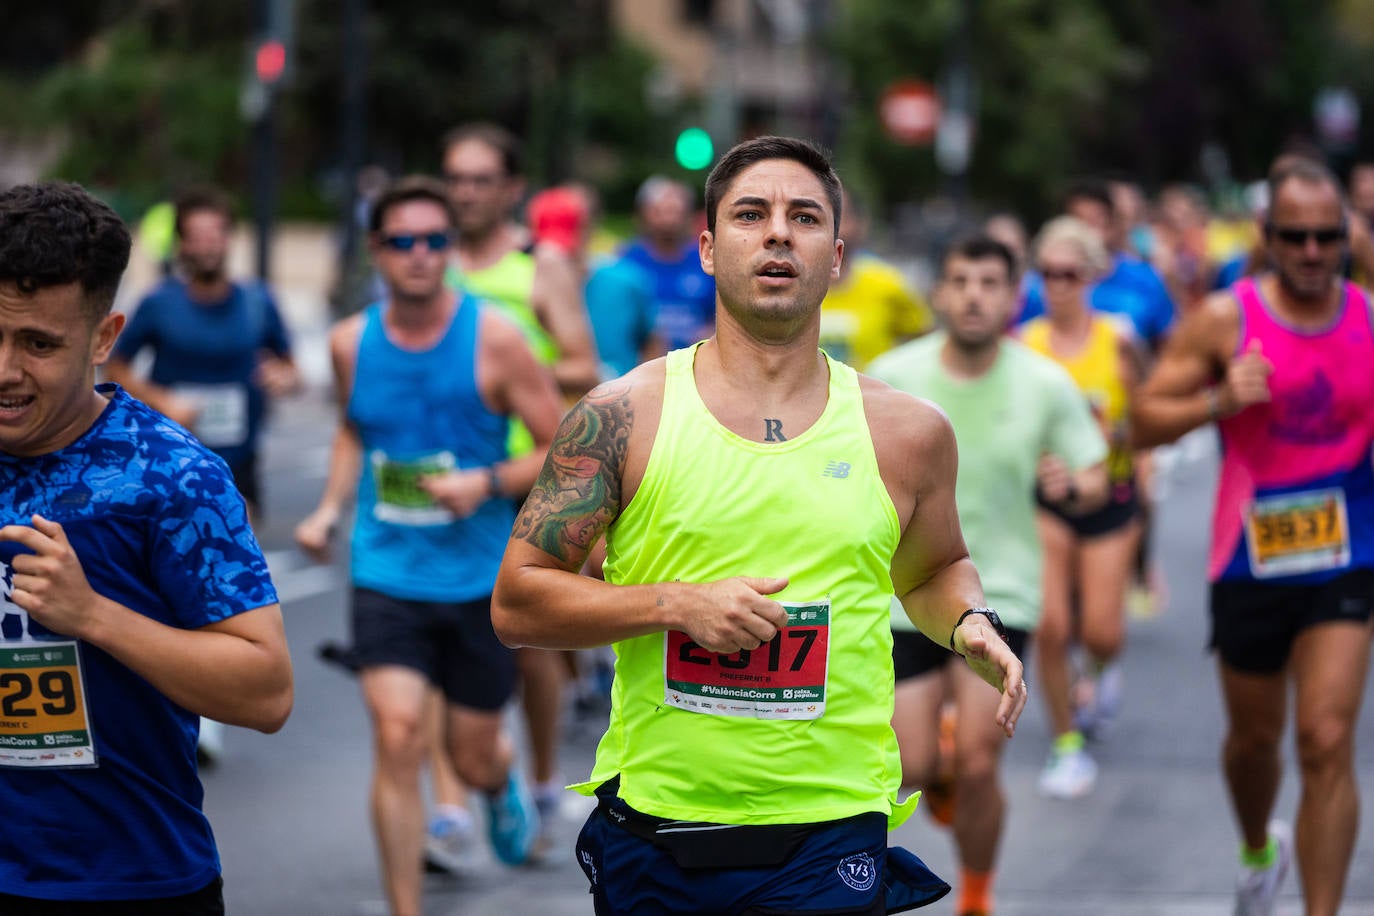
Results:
<point x="1295" y="501"/>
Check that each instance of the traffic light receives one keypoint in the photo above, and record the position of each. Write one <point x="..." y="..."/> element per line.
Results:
<point x="694" y="149"/>
<point x="269" y="61"/>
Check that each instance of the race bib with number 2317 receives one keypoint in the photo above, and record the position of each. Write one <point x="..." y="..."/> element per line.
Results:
<point x="782" y="679"/>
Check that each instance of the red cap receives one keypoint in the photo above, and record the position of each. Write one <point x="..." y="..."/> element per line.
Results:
<point x="559" y="216"/>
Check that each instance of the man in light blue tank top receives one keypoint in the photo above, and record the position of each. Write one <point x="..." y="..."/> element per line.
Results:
<point x="428" y="382"/>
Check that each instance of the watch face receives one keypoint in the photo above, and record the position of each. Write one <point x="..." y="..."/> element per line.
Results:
<point x="996" y="622"/>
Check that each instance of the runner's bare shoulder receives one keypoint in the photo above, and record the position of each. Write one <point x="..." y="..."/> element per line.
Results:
<point x="911" y="435"/>
<point x="1214" y="328"/>
<point x="901" y="418"/>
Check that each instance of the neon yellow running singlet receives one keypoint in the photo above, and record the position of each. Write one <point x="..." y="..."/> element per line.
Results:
<point x="798" y="730"/>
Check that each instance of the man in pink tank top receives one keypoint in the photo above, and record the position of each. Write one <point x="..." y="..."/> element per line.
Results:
<point x="1284" y="364"/>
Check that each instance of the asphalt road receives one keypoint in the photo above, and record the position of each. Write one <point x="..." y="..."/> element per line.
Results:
<point x="1156" y="836"/>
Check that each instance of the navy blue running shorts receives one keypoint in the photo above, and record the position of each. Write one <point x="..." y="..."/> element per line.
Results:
<point x="838" y="868"/>
<point x="452" y="644"/>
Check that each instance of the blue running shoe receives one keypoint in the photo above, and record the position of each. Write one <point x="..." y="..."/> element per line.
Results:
<point x="512" y="821"/>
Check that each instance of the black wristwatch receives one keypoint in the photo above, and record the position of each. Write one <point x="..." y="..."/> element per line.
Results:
<point x="997" y="626"/>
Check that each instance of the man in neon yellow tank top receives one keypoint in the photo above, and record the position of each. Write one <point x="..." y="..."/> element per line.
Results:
<point x="536" y="286"/>
<point x="761" y="504"/>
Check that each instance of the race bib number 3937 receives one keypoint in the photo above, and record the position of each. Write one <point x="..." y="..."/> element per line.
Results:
<point x="43" y="720"/>
<point x="782" y="679"/>
<point x="1297" y="533"/>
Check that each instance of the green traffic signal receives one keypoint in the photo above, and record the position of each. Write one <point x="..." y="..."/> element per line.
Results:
<point x="694" y="149"/>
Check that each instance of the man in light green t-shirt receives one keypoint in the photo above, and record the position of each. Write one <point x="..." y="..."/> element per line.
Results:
<point x="1020" y="423"/>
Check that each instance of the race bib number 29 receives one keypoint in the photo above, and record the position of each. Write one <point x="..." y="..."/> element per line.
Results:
<point x="43" y="719"/>
<point x="782" y="679"/>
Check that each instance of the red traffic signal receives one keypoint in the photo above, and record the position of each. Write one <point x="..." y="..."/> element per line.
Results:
<point x="270" y="61"/>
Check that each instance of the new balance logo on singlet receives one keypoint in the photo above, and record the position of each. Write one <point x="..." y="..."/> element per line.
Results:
<point x="836" y="469"/>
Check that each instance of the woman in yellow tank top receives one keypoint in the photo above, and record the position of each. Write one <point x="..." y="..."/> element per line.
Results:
<point x="1088" y="557"/>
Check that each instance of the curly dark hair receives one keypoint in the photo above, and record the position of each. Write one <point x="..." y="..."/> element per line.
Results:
<point x="54" y="233"/>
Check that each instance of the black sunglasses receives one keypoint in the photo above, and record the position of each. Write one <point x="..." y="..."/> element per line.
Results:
<point x="1291" y="235"/>
<point x="434" y="241"/>
<point x="1068" y="274"/>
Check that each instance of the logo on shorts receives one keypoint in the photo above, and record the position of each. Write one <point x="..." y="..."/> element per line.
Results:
<point x="858" y="871"/>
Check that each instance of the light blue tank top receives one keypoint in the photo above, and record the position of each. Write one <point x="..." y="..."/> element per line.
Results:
<point x="420" y="412"/>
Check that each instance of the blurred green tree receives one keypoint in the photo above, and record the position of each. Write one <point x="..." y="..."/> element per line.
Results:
<point x="1044" y="72"/>
<point x="144" y="97"/>
<point x="1067" y="87"/>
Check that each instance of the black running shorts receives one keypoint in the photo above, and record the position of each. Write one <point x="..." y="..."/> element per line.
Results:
<point x="450" y="643"/>
<point x="1254" y="623"/>
<point x="1122" y="509"/>
<point x="913" y="654"/>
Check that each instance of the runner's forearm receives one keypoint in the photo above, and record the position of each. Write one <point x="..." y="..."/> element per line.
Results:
<point x="517" y="475"/>
<point x="1160" y="419"/>
<point x="1090" y="488"/>
<point x="936" y="604"/>
<point x="577" y="374"/>
<point x="239" y="678"/>
<point x="345" y="466"/>
<point x="554" y="609"/>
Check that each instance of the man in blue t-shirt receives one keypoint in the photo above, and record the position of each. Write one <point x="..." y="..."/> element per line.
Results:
<point x="135" y="596"/>
<point x="220" y="348"/>
<point x="684" y="296"/>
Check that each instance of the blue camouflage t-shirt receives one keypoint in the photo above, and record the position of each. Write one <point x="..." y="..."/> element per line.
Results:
<point x="159" y="527"/>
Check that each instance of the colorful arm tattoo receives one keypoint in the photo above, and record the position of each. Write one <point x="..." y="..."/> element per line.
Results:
<point x="578" y="491"/>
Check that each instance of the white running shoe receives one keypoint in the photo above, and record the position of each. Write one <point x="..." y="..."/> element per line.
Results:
<point x="1068" y="775"/>
<point x="1257" y="889"/>
<point x="451" y="847"/>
